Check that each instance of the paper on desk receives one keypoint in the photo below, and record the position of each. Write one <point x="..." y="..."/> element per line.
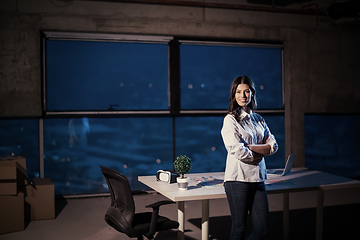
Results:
<point x="209" y="181"/>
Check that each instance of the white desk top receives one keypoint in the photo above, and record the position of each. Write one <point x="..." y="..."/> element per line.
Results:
<point x="195" y="191"/>
<point x="300" y="179"/>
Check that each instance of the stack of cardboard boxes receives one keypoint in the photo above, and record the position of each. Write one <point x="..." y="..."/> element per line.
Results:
<point x="21" y="201"/>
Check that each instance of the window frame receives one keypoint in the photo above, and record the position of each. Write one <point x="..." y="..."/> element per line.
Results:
<point x="174" y="96"/>
<point x="236" y="43"/>
<point x="76" y="36"/>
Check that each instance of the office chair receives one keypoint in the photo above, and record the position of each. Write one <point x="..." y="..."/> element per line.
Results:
<point x="121" y="214"/>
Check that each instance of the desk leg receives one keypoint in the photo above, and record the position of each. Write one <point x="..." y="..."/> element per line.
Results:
<point x="319" y="214"/>
<point x="181" y="220"/>
<point x="205" y="220"/>
<point x="286" y="224"/>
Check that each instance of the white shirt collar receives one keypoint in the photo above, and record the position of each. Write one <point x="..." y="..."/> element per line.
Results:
<point x="244" y="114"/>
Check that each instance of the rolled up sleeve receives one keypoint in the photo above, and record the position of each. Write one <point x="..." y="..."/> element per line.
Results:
<point x="272" y="141"/>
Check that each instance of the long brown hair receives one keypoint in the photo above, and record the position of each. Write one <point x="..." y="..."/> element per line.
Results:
<point x="234" y="107"/>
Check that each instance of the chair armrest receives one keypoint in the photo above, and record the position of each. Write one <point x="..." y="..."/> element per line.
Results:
<point x="160" y="203"/>
<point x="155" y="214"/>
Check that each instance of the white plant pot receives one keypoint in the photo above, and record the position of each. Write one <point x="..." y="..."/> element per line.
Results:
<point x="183" y="183"/>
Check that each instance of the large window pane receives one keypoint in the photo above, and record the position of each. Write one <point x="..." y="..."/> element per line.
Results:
<point x="200" y="139"/>
<point x="207" y="72"/>
<point x="75" y="148"/>
<point x="21" y="137"/>
<point x="90" y="75"/>
<point x="329" y="144"/>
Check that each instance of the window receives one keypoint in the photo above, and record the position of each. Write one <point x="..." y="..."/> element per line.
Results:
<point x="97" y="75"/>
<point x="208" y="70"/>
<point x="76" y="147"/>
<point x="206" y="74"/>
<point x="329" y="143"/>
<point x="200" y="139"/>
<point x="134" y="103"/>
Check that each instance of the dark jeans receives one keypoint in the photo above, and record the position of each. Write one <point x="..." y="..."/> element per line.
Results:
<point x="244" y="197"/>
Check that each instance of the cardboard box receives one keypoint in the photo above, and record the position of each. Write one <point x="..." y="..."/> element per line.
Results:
<point x="40" y="200"/>
<point x="8" y="169"/>
<point x="8" y="187"/>
<point x="12" y="213"/>
<point x="19" y="159"/>
<point x="12" y="174"/>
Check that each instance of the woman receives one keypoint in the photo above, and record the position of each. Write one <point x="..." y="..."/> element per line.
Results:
<point x="247" y="139"/>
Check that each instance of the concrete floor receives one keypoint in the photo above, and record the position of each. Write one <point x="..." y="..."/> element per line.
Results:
<point x="83" y="218"/>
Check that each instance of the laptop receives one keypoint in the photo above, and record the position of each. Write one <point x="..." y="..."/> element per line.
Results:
<point x="282" y="172"/>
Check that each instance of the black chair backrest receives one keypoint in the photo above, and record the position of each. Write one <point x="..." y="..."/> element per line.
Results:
<point x="122" y="202"/>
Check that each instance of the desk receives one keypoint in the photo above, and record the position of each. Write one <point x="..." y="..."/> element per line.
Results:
<point x="300" y="179"/>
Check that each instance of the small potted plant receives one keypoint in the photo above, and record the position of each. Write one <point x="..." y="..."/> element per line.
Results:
<point x="182" y="165"/>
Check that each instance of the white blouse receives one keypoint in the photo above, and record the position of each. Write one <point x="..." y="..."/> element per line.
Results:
<point x="240" y="163"/>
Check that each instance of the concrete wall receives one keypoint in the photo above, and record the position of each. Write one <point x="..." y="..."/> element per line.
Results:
<point x="322" y="70"/>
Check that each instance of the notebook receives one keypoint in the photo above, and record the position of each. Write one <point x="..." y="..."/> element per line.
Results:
<point x="286" y="170"/>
